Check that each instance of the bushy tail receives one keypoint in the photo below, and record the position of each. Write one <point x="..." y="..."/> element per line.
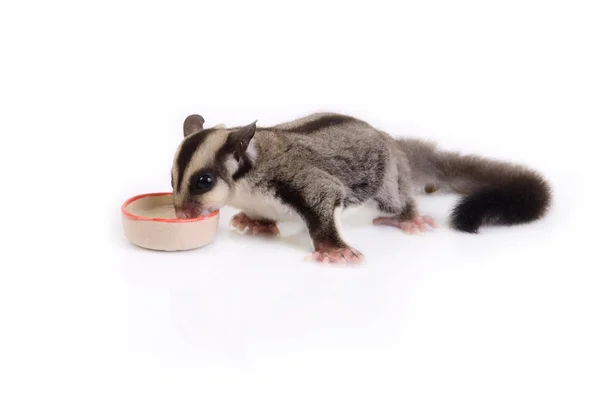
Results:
<point x="495" y="192"/>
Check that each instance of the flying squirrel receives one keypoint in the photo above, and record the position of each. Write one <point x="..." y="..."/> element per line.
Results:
<point x="312" y="168"/>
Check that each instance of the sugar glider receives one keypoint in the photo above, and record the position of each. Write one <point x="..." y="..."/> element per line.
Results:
<point x="312" y="168"/>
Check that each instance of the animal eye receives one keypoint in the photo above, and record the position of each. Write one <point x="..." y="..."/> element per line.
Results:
<point x="204" y="182"/>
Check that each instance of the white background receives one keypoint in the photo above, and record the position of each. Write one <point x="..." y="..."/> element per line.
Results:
<point x="93" y="96"/>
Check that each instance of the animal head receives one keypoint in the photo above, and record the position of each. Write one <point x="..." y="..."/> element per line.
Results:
<point x="207" y="163"/>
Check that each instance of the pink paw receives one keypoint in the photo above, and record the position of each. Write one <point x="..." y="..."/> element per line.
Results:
<point x="416" y="225"/>
<point x="244" y="224"/>
<point x="336" y="255"/>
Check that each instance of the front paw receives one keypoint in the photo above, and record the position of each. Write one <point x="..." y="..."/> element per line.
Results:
<point x="244" y="224"/>
<point x="336" y="255"/>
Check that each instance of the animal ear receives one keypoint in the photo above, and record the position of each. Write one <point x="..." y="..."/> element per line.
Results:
<point x="192" y="124"/>
<point x="240" y="139"/>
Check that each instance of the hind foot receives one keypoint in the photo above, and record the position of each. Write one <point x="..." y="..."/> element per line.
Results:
<point x="416" y="225"/>
<point x="245" y="224"/>
<point x="336" y="255"/>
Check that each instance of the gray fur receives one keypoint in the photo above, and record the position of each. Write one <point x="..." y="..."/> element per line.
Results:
<point x="311" y="168"/>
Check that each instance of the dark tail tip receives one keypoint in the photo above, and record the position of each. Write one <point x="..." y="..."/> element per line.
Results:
<point x="521" y="200"/>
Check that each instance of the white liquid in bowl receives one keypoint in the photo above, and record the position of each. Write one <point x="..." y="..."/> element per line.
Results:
<point x="165" y="235"/>
<point x="153" y="207"/>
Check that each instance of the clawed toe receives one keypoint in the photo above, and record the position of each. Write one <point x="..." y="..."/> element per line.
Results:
<point x="243" y="224"/>
<point x="331" y="255"/>
<point x="418" y="224"/>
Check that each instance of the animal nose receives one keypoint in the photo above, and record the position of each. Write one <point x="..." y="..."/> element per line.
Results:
<point x="185" y="211"/>
<point x="182" y="214"/>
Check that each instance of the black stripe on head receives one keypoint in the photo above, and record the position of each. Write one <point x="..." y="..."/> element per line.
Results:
<point x="244" y="166"/>
<point x="188" y="148"/>
<point x="244" y="162"/>
<point x="325" y="121"/>
<point x="236" y="146"/>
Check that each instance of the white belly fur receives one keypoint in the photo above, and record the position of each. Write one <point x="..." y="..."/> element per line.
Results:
<point x="257" y="205"/>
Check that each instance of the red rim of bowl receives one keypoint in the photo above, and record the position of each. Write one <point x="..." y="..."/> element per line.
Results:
<point x="140" y="218"/>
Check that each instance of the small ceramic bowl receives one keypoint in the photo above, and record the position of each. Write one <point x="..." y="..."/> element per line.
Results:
<point x="149" y="221"/>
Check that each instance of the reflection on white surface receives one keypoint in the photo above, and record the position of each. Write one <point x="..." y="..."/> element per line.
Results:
<point x="244" y="306"/>
<point x="227" y="303"/>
